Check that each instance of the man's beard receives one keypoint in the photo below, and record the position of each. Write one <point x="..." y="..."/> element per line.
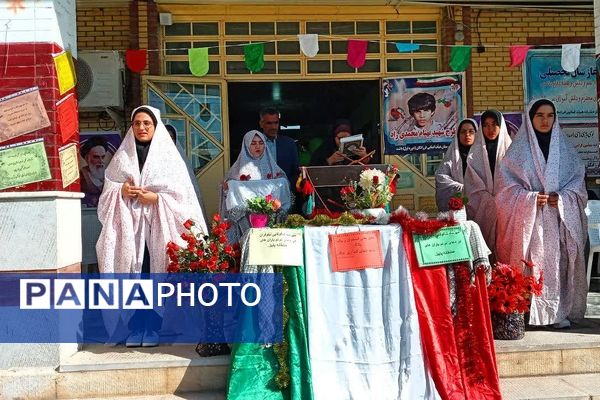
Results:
<point x="97" y="172"/>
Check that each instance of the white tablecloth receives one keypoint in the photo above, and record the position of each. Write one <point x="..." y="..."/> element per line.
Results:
<point x="364" y="336"/>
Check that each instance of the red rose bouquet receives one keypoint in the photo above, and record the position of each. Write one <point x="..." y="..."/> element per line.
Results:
<point x="204" y="253"/>
<point x="510" y="291"/>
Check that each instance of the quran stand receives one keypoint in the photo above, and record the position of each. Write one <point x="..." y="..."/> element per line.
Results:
<point x="359" y="161"/>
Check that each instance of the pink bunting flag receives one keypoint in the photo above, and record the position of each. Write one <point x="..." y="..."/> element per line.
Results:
<point x="518" y="53"/>
<point x="357" y="52"/>
<point x="136" y="60"/>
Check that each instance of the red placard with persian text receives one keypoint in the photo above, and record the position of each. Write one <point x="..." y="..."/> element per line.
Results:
<point x="355" y="251"/>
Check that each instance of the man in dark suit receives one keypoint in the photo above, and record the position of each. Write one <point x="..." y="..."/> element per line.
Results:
<point x="283" y="147"/>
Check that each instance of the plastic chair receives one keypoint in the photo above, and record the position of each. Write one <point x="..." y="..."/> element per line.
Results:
<point x="593" y="215"/>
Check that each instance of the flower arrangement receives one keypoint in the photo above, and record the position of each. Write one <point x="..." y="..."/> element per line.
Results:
<point x="374" y="189"/>
<point x="457" y="201"/>
<point x="510" y="291"/>
<point x="263" y="205"/>
<point x="204" y="253"/>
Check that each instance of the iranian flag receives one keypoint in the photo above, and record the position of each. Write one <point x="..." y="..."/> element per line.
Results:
<point x="437" y="81"/>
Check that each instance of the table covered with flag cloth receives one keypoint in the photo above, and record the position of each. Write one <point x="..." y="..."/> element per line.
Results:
<point x="377" y="333"/>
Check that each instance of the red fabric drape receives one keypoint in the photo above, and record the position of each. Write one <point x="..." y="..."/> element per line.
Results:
<point x="474" y="337"/>
<point x="435" y="321"/>
<point x="460" y="354"/>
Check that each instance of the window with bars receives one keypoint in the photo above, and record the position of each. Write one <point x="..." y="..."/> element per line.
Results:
<point x="225" y="40"/>
<point x="427" y="164"/>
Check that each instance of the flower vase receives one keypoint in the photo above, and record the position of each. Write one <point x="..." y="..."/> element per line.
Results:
<point x="259" y="220"/>
<point x="508" y="326"/>
<point x="377" y="215"/>
<point x="459" y="215"/>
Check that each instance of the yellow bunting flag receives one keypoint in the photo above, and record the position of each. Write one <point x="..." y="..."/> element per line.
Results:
<point x="65" y="71"/>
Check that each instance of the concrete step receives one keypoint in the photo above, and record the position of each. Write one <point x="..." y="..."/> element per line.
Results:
<point x="110" y="372"/>
<point x="556" y="387"/>
<point x="172" y="372"/>
<point x="593" y="302"/>
<point x="552" y="351"/>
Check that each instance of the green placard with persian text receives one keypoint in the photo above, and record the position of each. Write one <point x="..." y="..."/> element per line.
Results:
<point x="447" y="246"/>
<point x="23" y="163"/>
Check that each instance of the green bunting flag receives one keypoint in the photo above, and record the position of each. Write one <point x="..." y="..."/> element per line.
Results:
<point x="198" y="59"/>
<point x="460" y="57"/>
<point x="254" y="56"/>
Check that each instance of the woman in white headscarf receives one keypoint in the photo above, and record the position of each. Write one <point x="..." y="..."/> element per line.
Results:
<point x="449" y="177"/>
<point x="255" y="173"/>
<point x="483" y="164"/>
<point x="541" y="215"/>
<point x="147" y="197"/>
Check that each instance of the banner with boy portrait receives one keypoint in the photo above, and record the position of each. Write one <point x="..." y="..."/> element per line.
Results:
<point x="421" y="113"/>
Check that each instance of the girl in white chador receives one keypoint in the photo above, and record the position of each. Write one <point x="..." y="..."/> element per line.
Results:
<point x="147" y="197"/>
<point x="254" y="173"/>
<point x="449" y="177"/>
<point x="482" y="168"/>
<point x="541" y="214"/>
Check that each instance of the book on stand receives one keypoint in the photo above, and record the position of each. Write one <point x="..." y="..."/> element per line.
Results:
<point x="351" y="143"/>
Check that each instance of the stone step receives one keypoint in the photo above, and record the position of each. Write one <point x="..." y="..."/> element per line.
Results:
<point x="109" y="372"/>
<point x="556" y="387"/>
<point x="593" y="299"/>
<point x="170" y="371"/>
<point x="552" y="351"/>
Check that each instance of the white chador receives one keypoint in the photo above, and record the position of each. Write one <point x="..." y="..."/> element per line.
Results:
<point x="127" y="224"/>
<point x="449" y="176"/>
<point x="552" y="237"/>
<point x="479" y="183"/>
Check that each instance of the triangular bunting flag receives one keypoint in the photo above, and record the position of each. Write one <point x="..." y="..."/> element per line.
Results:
<point x="357" y="52"/>
<point x="198" y="59"/>
<point x="460" y="57"/>
<point x="518" y="53"/>
<point x="136" y="60"/>
<point x="309" y="44"/>
<point x="570" y="57"/>
<point x="406" y="47"/>
<point x="68" y="120"/>
<point x="254" y="56"/>
<point x="65" y="71"/>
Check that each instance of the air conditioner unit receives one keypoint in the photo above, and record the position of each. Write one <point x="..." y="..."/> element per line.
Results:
<point x="99" y="79"/>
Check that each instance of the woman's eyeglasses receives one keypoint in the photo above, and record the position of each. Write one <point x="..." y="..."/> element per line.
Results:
<point x="146" y="124"/>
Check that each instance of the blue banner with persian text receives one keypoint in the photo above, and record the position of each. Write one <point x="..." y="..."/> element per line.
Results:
<point x="573" y="93"/>
<point x="107" y="308"/>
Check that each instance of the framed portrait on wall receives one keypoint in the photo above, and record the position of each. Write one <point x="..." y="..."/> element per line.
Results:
<point x="96" y="149"/>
